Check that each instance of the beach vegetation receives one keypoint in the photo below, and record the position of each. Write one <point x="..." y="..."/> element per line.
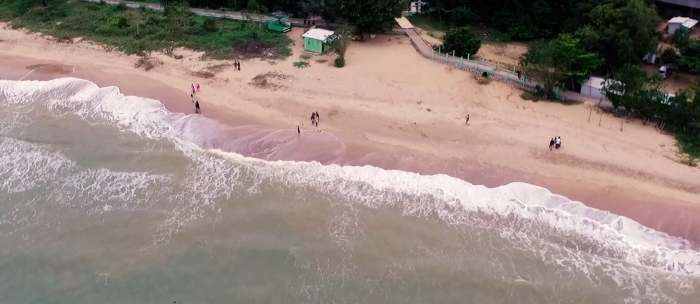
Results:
<point x="340" y="42"/>
<point x="562" y="60"/>
<point x="141" y="31"/>
<point x="147" y="63"/>
<point x="463" y="16"/>
<point x="539" y="64"/>
<point x="461" y="41"/>
<point x="621" y="33"/>
<point x="301" y="64"/>
<point x="269" y="80"/>
<point x="643" y="96"/>
<point x="686" y="55"/>
<point x="428" y="23"/>
<point x="339" y="62"/>
<point x="375" y="16"/>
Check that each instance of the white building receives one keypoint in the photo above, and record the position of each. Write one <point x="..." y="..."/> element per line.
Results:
<point x="593" y="87"/>
<point x="677" y="22"/>
<point x="417" y="7"/>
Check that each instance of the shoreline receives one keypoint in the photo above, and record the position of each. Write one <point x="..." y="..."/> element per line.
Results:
<point x="674" y="214"/>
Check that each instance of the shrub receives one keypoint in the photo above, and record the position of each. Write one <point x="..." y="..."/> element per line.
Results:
<point x="301" y="64"/>
<point x="210" y="25"/>
<point x="339" y="62"/>
<point x="462" y="41"/>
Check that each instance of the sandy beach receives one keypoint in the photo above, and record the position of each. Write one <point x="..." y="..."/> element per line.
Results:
<point x="390" y="100"/>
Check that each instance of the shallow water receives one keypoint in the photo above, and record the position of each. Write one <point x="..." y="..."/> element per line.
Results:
<point x="107" y="199"/>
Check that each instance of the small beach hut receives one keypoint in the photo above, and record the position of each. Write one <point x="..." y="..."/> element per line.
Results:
<point x="680" y="22"/>
<point x="317" y="40"/>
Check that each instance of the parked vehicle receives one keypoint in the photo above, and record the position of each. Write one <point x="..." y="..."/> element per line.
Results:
<point x="664" y="72"/>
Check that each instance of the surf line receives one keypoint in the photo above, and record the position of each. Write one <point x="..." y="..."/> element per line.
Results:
<point x="25" y="75"/>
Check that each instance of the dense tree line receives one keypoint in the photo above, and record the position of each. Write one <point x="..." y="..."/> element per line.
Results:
<point x="643" y="95"/>
<point x="365" y="16"/>
<point x="615" y="34"/>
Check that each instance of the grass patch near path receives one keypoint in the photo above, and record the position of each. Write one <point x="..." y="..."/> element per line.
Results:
<point x="428" y="23"/>
<point x="689" y="145"/>
<point x="141" y="31"/>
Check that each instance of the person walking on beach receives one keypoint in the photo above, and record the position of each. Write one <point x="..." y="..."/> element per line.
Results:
<point x="298" y="131"/>
<point x="557" y="142"/>
<point x="318" y="117"/>
<point x="196" y="108"/>
<point x="192" y="88"/>
<point x="192" y="97"/>
<point x="551" y="143"/>
<point x="198" y="87"/>
<point x="466" y="118"/>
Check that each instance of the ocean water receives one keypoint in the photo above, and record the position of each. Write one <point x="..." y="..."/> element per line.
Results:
<point x="106" y="198"/>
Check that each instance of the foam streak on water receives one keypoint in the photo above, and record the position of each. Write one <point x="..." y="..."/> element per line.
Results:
<point x="564" y="232"/>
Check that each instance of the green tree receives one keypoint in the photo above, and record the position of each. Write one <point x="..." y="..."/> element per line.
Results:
<point x="538" y="64"/>
<point x="623" y="34"/>
<point x="573" y="61"/>
<point x="462" y="41"/>
<point x="636" y="90"/>
<point x="324" y="8"/>
<point x="137" y="18"/>
<point x="689" y="58"/>
<point x="340" y="43"/>
<point x="463" y="16"/>
<point x="177" y="14"/>
<point x="369" y="16"/>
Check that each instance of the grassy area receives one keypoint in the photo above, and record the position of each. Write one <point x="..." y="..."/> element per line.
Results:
<point x="428" y="23"/>
<point x="690" y="145"/>
<point x="140" y="31"/>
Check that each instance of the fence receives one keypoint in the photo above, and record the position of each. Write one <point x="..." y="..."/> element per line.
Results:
<point x="498" y="73"/>
<point x="505" y="75"/>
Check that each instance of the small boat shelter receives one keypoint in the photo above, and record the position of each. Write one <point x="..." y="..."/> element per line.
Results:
<point x="317" y="40"/>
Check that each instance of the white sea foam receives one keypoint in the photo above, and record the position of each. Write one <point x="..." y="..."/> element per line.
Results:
<point x="522" y="211"/>
<point x="33" y="174"/>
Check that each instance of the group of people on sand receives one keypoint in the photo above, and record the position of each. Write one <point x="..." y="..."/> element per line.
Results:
<point x="314" y="118"/>
<point x="194" y="88"/>
<point x="555" y="143"/>
<point x="314" y="121"/>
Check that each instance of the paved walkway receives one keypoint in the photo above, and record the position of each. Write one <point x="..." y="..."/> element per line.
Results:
<point x="211" y="13"/>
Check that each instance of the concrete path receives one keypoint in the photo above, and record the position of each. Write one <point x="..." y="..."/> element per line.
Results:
<point x="212" y="13"/>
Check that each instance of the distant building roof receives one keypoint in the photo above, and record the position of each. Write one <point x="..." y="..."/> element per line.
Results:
<point x="684" y="21"/>
<point x="686" y="3"/>
<point x="318" y="34"/>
